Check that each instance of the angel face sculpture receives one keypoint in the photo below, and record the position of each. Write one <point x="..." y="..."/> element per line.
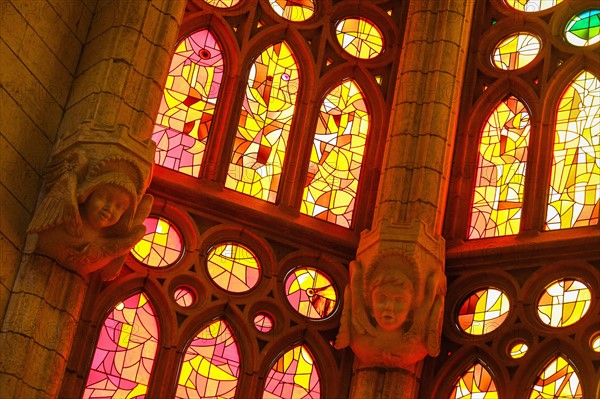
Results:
<point x="391" y="299"/>
<point x="105" y="206"/>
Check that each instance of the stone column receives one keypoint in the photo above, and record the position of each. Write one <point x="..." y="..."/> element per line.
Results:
<point x="92" y="204"/>
<point x="394" y="304"/>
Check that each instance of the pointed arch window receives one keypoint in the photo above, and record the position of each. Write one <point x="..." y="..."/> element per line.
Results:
<point x="294" y="375"/>
<point x="557" y="380"/>
<point x="476" y="382"/>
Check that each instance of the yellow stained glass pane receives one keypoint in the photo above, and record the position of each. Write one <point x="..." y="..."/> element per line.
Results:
<point x="294" y="375"/>
<point x="483" y="311"/>
<point x="475" y="383"/>
<point x="222" y="3"/>
<point x="233" y="267"/>
<point x="518" y="350"/>
<point x="294" y="10"/>
<point x="162" y="245"/>
<point x="359" y="37"/>
<point x="532" y="5"/>
<point x="264" y="124"/>
<point x="574" y="197"/>
<point x="311" y="292"/>
<point x="500" y="179"/>
<point x="564" y="302"/>
<point x="557" y="380"/>
<point x="337" y="155"/>
<point x="595" y="342"/>
<point x="516" y="51"/>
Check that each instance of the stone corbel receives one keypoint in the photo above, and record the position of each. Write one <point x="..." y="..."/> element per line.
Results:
<point x="393" y="306"/>
<point x="92" y="206"/>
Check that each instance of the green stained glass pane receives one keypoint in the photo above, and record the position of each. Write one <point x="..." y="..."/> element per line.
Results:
<point x="584" y="29"/>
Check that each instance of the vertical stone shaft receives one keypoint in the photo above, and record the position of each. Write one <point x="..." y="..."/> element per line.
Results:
<point x="111" y="105"/>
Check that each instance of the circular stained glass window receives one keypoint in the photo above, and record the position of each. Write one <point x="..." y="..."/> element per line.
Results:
<point x="516" y="51"/>
<point x="162" y="245"/>
<point x="532" y="5"/>
<point x="359" y="37"/>
<point x="564" y="302"/>
<point x="222" y="3"/>
<point x="483" y="311"/>
<point x="233" y="267"/>
<point x="294" y="10"/>
<point x="310" y="292"/>
<point x="518" y="350"/>
<point x="595" y="342"/>
<point x="263" y="322"/>
<point x="184" y="296"/>
<point x="584" y="29"/>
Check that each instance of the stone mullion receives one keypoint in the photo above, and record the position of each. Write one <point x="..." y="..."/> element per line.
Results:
<point x="128" y="49"/>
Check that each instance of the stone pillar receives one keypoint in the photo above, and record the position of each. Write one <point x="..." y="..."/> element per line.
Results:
<point x="393" y="307"/>
<point x="92" y="204"/>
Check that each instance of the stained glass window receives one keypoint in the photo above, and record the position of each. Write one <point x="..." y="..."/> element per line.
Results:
<point x="502" y="160"/>
<point x="263" y="322"/>
<point x="188" y="104"/>
<point x="359" y="37"/>
<point x="337" y="154"/>
<point x="475" y="383"/>
<point x="516" y="51"/>
<point x="294" y="375"/>
<point x="557" y="380"/>
<point x="595" y="342"/>
<point x="233" y="267"/>
<point x="310" y="292"/>
<point x="222" y="3"/>
<point x="564" y="302"/>
<point x="264" y="125"/>
<point x="184" y="296"/>
<point x="584" y="29"/>
<point x="518" y="350"/>
<point x="211" y="364"/>
<point x="575" y="182"/>
<point x="294" y="10"/>
<point x="125" y="351"/>
<point x="532" y="5"/>
<point x="483" y="311"/>
<point x="161" y="246"/>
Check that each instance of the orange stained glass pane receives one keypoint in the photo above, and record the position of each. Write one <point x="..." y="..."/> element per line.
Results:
<point x="211" y="364"/>
<point x="188" y="104"/>
<point x="294" y="375"/>
<point x="184" y="296"/>
<point x="499" y="183"/>
<point x="233" y="267"/>
<point x="337" y="155"/>
<point x="359" y="37"/>
<point x="263" y="322"/>
<point x="564" y="302"/>
<point x="264" y="124"/>
<point x="518" y="350"/>
<point x="595" y="342"/>
<point x="532" y="5"/>
<point x="311" y="292"/>
<point x="475" y="383"/>
<point x="161" y="246"/>
<point x="483" y="311"/>
<point x="557" y="380"/>
<point x="125" y="351"/>
<point x="516" y="51"/>
<point x="294" y="10"/>
<point x="222" y="3"/>
<point x="574" y="197"/>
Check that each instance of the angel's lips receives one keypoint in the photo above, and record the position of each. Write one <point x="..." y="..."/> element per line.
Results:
<point x="105" y="215"/>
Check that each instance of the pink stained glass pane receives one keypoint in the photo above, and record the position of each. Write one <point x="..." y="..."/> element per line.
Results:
<point x="264" y="124"/>
<point x="188" y="104"/>
<point x="294" y="375"/>
<point x="263" y="322"/>
<point x="311" y="292"/>
<point x="184" y="297"/>
<point x="162" y="245"/>
<point x="211" y="364"/>
<point x="124" y="355"/>
<point x="500" y="180"/>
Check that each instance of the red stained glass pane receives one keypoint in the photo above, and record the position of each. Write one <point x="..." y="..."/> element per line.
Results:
<point x="263" y="322"/>
<point x="125" y="351"/>
<point x="483" y="312"/>
<point x="557" y="380"/>
<point x="337" y="155"/>
<point x="574" y="197"/>
<point x="475" y="383"/>
<point x="311" y="292"/>
<point x="294" y="375"/>
<point x="264" y="124"/>
<point x="188" y="104"/>
<point x="233" y="267"/>
<point x="161" y="246"/>
<point x="211" y="364"/>
<point x="499" y="184"/>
